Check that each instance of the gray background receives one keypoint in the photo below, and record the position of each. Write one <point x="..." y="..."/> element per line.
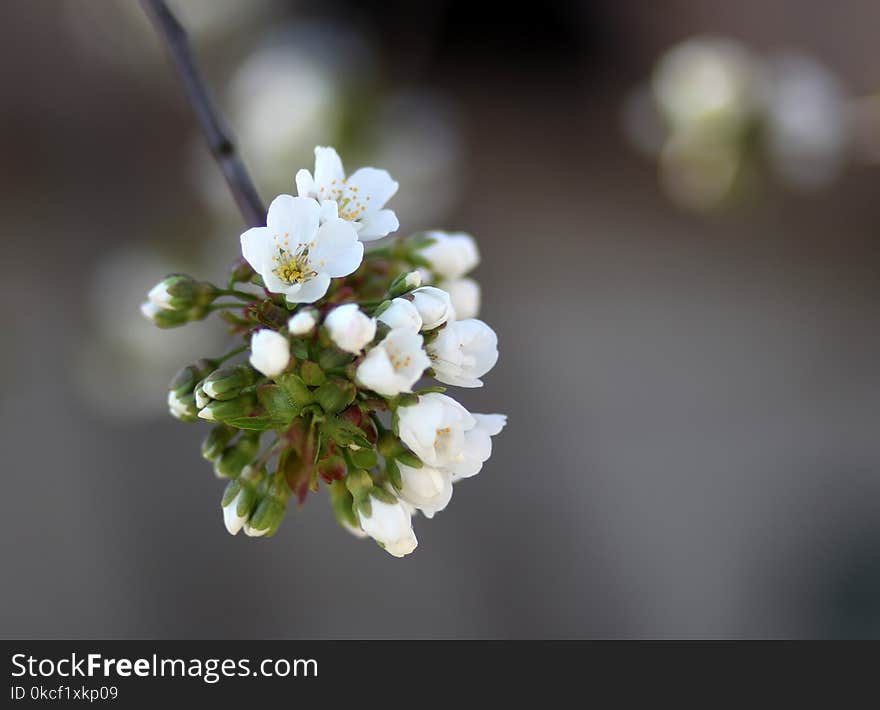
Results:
<point x="693" y="442"/>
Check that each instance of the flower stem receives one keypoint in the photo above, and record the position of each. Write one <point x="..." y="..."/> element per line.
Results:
<point x="231" y="354"/>
<point x="217" y="135"/>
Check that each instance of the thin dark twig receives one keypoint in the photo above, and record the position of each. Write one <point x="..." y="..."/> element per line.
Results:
<point x="218" y="137"/>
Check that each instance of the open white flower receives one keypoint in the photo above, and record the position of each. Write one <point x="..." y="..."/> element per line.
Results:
<point x="434" y="429"/>
<point x="401" y="314"/>
<point x="395" y="364"/>
<point x="350" y="328"/>
<point x="477" y="445"/>
<point x="270" y="352"/>
<point x="463" y="351"/>
<point x="465" y="297"/>
<point x="433" y="305"/>
<point x="427" y="488"/>
<point x="296" y="254"/>
<point x="389" y="524"/>
<point x="359" y="198"/>
<point x="303" y="322"/>
<point x="451" y="256"/>
<point x="233" y="521"/>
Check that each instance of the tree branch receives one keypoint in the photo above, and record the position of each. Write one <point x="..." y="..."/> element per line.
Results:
<point x="218" y="137"/>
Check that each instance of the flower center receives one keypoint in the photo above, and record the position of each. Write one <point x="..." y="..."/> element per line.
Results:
<point x="293" y="267"/>
<point x="349" y="203"/>
<point x="398" y="362"/>
<point x="441" y="433"/>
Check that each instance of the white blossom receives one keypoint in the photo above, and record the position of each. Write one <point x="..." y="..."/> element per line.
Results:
<point x="463" y="352"/>
<point x="401" y="314"/>
<point x="350" y="329"/>
<point x="303" y="322"/>
<point x="233" y="521"/>
<point x="395" y="364"/>
<point x="433" y="305"/>
<point x="359" y="198"/>
<point x="465" y="296"/>
<point x="451" y="256"/>
<point x="434" y="429"/>
<point x="477" y="445"/>
<point x="389" y="524"/>
<point x="427" y="488"/>
<point x="270" y="352"/>
<point x="296" y="254"/>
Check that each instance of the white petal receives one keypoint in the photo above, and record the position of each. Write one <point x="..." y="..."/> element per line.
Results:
<point x="297" y="217"/>
<point x="309" y="291"/>
<point x="375" y="184"/>
<point x="305" y="184"/>
<point x="491" y="423"/>
<point x="328" y="167"/>
<point x="337" y="250"/>
<point x="376" y="225"/>
<point x="256" y="248"/>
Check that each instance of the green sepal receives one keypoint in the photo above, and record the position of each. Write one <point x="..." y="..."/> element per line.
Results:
<point x="343" y="505"/>
<point x="409" y="459"/>
<point x="393" y="472"/>
<point x="381" y="308"/>
<point x="359" y="483"/>
<point x="228" y="382"/>
<point x="299" y="347"/>
<point x="344" y="433"/>
<point x="296" y="389"/>
<point x="312" y="374"/>
<point x="235" y="457"/>
<point x="383" y="495"/>
<point x="430" y="390"/>
<point x="336" y="395"/>
<point x="332" y="358"/>
<point x="364" y="458"/>
<point x="256" y="422"/>
<point x="277" y="403"/>
<point x="242" y="406"/>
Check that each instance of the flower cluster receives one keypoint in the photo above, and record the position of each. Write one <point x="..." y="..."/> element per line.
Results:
<point x="336" y="340"/>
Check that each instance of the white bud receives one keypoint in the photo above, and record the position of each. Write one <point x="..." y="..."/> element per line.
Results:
<point x="350" y="329"/>
<point x="428" y="489"/>
<point x="401" y="314"/>
<point x="302" y="323"/>
<point x="451" y="255"/>
<point x="433" y="305"/>
<point x="160" y="297"/>
<point x="463" y="352"/>
<point x="389" y="524"/>
<point x="270" y="352"/>
<point x="465" y="297"/>
<point x="233" y="521"/>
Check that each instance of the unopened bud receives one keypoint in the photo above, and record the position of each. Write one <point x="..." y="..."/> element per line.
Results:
<point x="235" y="457"/>
<point x="220" y="411"/>
<point x="240" y="499"/>
<point x="269" y="513"/>
<point x="162" y="318"/>
<point x="182" y="407"/>
<point x="405" y="283"/>
<point x="185" y="381"/>
<point x="217" y="440"/>
<point x="228" y="382"/>
<point x="332" y="469"/>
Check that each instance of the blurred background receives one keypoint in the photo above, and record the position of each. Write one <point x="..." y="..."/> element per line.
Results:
<point x="677" y="208"/>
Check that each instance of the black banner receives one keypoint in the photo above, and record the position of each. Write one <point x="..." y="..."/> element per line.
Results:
<point x="241" y="673"/>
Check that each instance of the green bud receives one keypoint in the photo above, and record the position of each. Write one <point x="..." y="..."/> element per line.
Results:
<point x="217" y="440"/>
<point x="241" y="271"/>
<point x="176" y="292"/>
<point x="241" y="406"/>
<point x="312" y="374"/>
<point x="163" y="318"/>
<point x="269" y="513"/>
<point x="389" y="445"/>
<point x="183" y="407"/>
<point x="228" y="382"/>
<point x="336" y="395"/>
<point x="405" y="283"/>
<point x="235" y="457"/>
<point x="185" y="381"/>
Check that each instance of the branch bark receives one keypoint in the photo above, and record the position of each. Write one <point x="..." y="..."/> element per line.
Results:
<point x="217" y="135"/>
